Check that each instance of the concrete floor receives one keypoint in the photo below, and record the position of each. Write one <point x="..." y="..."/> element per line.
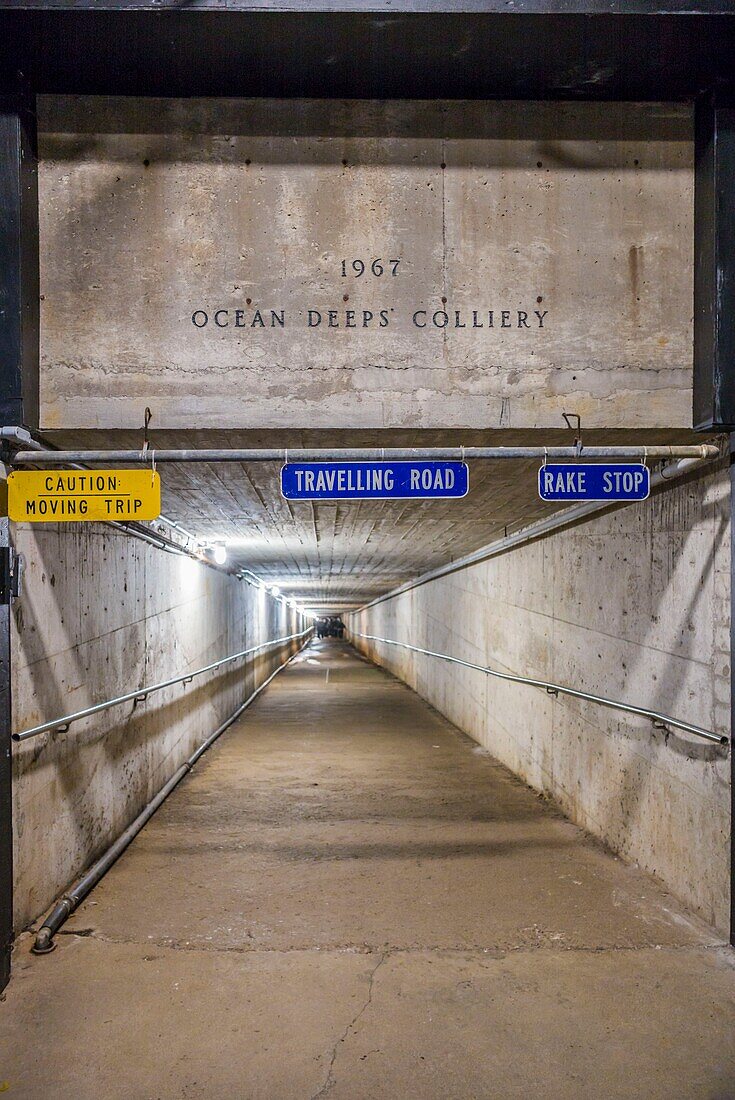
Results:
<point x="349" y="899"/>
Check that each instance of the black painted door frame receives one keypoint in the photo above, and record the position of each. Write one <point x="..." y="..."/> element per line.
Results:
<point x="19" y="305"/>
<point x="714" y="323"/>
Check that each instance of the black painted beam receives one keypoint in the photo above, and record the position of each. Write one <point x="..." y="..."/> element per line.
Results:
<point x="732" y="690"/>
<point x="18" y="405"/>
<point x="523" y="52"/>
<point x="19" y="301"/>
<point x="714" y="266"/>
<point x="6" y="803"/>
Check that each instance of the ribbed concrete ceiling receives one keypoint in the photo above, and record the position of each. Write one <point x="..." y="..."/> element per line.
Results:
<point x="340" y="555"/>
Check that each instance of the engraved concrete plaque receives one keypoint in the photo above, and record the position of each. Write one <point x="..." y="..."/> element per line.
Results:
<point x="299" y="263"/>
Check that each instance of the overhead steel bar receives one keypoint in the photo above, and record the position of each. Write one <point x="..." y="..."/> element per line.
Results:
<point x="140" y="694"/>
<point x="359" y="454"/>
<point x="66" y="905"/>
<point x="561" y="689"/>
<point x="501" y="49"/>
<point x="536" y="530"/>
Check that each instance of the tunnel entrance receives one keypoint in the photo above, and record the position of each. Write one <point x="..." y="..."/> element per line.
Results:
<point x="366" y="550"/>
<point x="253" y="627"/>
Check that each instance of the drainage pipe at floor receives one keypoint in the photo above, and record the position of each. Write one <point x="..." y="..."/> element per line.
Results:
<point x="82" y="887"/>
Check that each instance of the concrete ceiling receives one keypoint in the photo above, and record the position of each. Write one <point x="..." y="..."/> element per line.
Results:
<point x="334" y="556"/>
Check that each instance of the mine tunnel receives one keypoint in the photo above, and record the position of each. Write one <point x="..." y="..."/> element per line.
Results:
<point x="366" y="550"/>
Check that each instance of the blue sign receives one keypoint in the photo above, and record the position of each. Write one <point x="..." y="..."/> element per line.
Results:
<point x="593" y="481"/>
<point x="374" y="480"/>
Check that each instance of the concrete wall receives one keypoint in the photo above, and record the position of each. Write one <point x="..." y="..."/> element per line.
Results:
<point x="101" y="614"/>
<point x="172" y="230"/>
<point x="632" y="604"/>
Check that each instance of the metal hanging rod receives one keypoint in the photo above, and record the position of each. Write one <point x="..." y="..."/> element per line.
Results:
<point x="359" y="454"/>
<point x="658" y="719"/>
<point x="141" y="694"/>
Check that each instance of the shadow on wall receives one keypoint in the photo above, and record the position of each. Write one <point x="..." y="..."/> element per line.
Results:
<point x="319" y="852"/>
<point x="632" y="604"/>
<point x="205" y="127"/>
<point x="680" y="566"/>
<point x="100" y="615"/>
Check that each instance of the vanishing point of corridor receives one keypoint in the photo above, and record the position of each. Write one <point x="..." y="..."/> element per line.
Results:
<point x="349" y="898"/>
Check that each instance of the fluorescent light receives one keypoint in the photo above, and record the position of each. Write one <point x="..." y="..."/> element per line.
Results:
<point x="220" y="554"/>
<point x="275" y="590"/>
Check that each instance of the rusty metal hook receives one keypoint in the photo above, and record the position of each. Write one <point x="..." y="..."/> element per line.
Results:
<point x="147" y="417"/>
<point x="568" y="418"/>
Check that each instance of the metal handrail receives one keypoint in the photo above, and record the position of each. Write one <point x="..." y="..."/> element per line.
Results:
<point x="657" y="718"/>
<point x="62" y="724"/>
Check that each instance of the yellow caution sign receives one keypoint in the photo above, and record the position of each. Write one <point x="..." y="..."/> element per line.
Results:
<point x="74" y="496"/>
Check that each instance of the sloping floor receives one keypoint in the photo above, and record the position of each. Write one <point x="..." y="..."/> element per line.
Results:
<point x="348" y="898"/>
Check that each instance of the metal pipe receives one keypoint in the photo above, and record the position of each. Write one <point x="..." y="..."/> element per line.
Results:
<point x="151" y="537"/>
<point x="178" y="527"/>
<point x="360" y="454"/>
<point x="15" y="437"/>
<point x="559" y="689"/>
<point x="69" y="902"/>
<point x="537" y="530"/>
<point x="142" y="693"/>
<point x="66" y="905"/>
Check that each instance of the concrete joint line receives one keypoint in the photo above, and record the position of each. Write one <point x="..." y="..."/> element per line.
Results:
<point x="493" y="953"/>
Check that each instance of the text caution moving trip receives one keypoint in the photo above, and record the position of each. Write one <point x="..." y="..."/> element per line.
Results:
<point x="74" y="496"/>
<point x="374" y="480"/>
